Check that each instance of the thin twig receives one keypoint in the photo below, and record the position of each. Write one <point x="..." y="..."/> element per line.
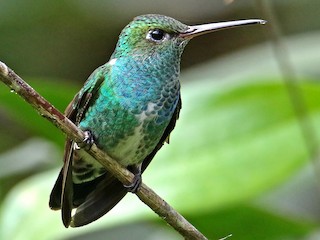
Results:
<point x="147" y="195"/>
<point x="291" y="82"/>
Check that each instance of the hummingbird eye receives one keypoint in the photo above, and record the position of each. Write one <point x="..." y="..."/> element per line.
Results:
<point x="157" y="35"/>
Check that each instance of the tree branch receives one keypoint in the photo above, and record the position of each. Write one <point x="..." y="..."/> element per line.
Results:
<point x="146" y="195"/>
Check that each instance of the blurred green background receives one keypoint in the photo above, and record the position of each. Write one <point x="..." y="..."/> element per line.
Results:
<point x="238" y="162"/>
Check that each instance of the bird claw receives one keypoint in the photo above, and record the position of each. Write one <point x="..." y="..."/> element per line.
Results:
<point x="135" y="184"/>
<point x="87" y="141"/>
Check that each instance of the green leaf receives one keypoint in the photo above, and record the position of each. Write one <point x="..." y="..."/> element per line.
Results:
<point x="231" y="143"/>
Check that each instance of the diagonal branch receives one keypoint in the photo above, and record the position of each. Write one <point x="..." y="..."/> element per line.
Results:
<point x="146" y="195"/>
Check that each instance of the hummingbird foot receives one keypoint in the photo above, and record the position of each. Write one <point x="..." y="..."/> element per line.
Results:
<point x="137" y="179"/>
<point x="87" y="142"/>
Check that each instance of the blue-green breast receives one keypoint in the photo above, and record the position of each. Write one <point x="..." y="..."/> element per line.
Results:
<point x="133" y="107"/>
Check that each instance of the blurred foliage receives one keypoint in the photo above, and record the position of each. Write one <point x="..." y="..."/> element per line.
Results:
<point x="237" y="158"/>
<point x="221" y="167"/>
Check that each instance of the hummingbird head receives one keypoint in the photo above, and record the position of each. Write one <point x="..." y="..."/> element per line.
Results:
<point x="152" y="34"/>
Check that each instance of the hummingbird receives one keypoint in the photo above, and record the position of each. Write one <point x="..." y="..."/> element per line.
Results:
<point x="128" y="107"/>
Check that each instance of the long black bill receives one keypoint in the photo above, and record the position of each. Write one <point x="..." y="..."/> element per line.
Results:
<point x="197" y="30"/>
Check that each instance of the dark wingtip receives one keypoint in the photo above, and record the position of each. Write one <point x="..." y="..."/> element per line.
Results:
<point x="66" y="216"/>
<point x="55" y="195"/>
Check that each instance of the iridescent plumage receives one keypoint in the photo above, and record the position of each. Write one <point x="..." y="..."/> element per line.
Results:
<point x="130" y="106"/>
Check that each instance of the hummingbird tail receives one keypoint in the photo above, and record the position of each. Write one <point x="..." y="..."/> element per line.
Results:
<point x="107" y="194"/>
<point x="91" y="205"/>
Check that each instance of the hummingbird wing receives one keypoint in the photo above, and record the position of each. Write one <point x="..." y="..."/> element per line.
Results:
<point x="62" y="194"/>
<point x="109" y="191"/>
